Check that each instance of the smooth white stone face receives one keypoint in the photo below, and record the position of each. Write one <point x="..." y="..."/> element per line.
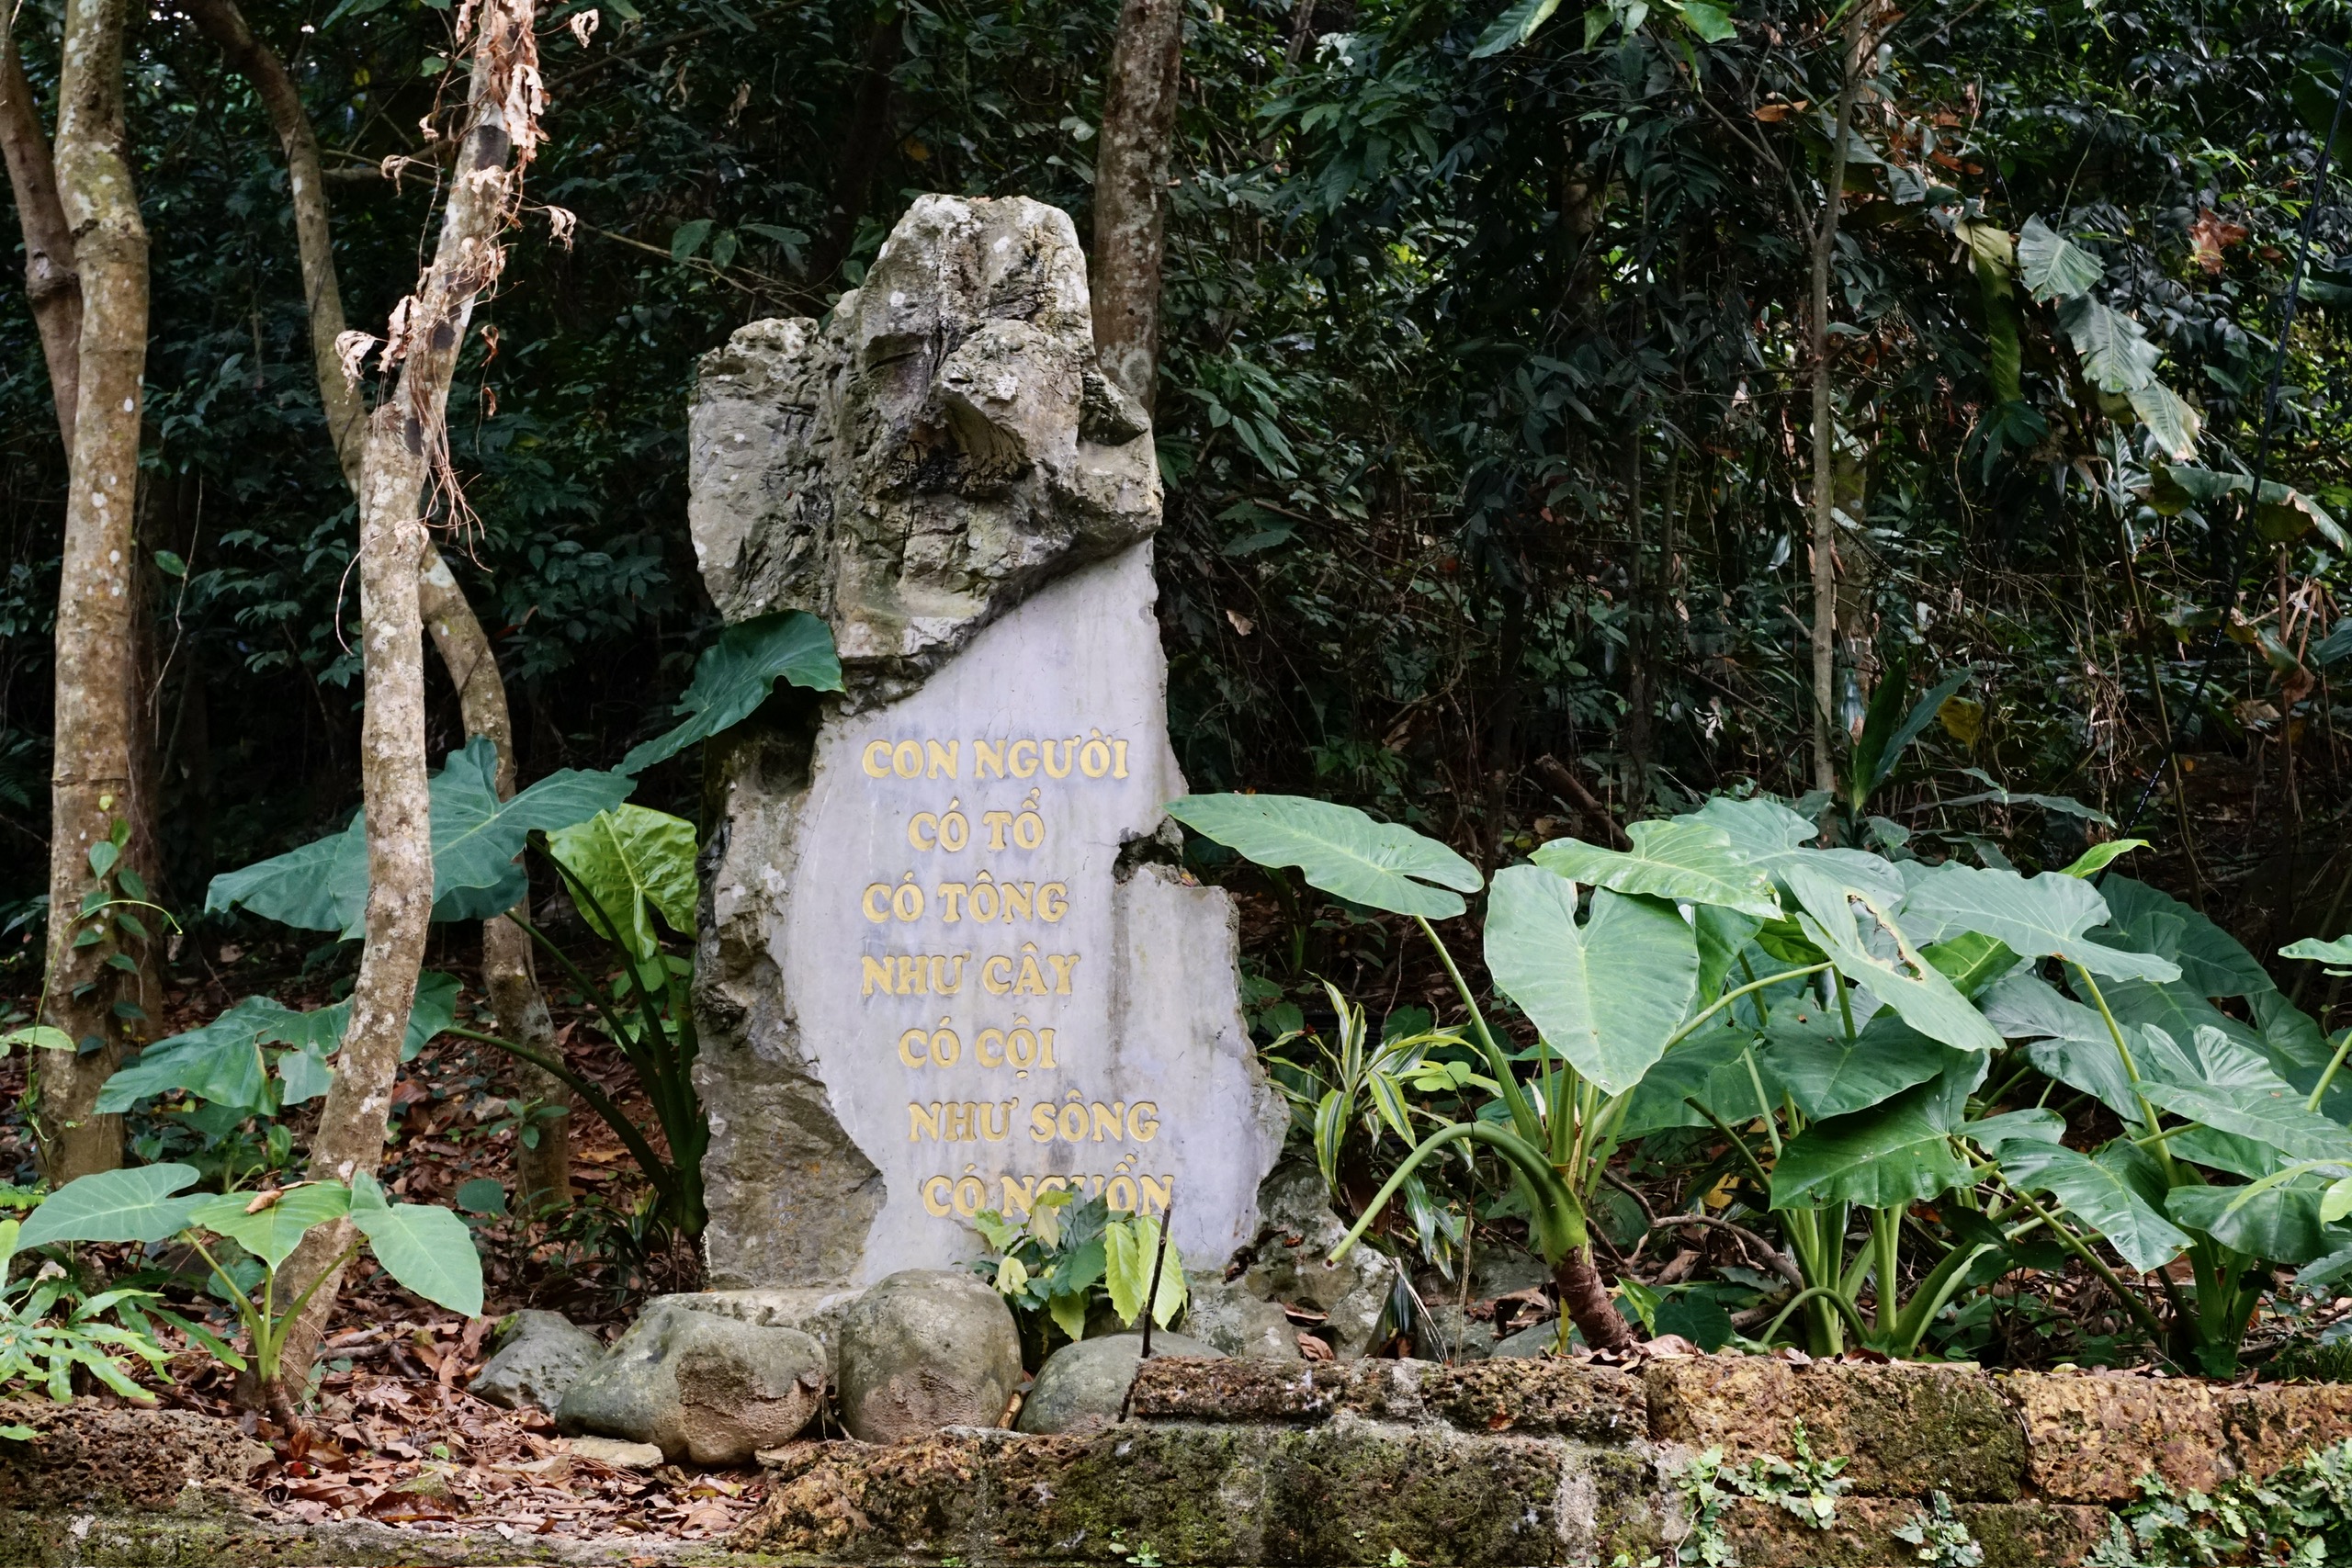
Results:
<point x="1154" y="1087"/>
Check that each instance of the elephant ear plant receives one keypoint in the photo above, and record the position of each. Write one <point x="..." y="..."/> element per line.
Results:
<point x="426" y="1249"/>
<point x="1839" y="1018"/>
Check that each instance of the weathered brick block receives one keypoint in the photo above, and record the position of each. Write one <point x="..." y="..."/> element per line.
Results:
<point x="1907" y="1428"/>
<point x="2093" y="1435"/>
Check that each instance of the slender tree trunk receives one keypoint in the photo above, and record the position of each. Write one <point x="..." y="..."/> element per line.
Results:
<point x="862" y="145"/>
<point x="544" y="1172"/>
<point x="50" y="281"/>
<point x="1852" y="53"/>
<point x="98" y="687"/>
<point x="1131" y="168"/>
<point x="542" y="1168"/>
<point x="407" y="447"/>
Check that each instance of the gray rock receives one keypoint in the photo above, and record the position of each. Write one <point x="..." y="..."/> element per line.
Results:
<point x="924" y="1349"/>
<point x="1448" y="1333"/>
<point x="1225" y="1316"/>
<point x="942" y="472"/>
<point x="815" y="1311"/>
<point x="948" y="445"/>
<point x="700" y="1387"/>
<point x="617" y="1454"/>
<point x="1529" y="1343"/>
<point x="539" y="1356"/>
<point x="1082" y="1385"/>
<point x="1297" y="1232"/>
<point x="1496" y="1270"/>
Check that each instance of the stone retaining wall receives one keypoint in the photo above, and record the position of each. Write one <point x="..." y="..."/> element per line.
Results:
<point x="1228" y="1464"/>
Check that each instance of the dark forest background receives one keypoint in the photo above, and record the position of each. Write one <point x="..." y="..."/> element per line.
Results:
<point x="1484" y="411"/>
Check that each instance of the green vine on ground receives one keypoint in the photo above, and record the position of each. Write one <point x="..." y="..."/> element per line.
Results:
<point x="1941" y="1539"/>
<point x="2299" y="1516"/>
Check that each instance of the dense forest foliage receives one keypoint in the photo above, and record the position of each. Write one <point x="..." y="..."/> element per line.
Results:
<point x="1485" y="420"/>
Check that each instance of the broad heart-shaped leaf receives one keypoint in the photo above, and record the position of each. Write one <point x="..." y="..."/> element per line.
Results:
<point x="1722" y="935"/>
<point x="1608" y="994"/>
<point x="221" y="1061"/>
<point x="2053" y="266"/>
<point x="320" y="1031"/>
<point x="2170" y="419"/>
<point x="2212" y="962"/>
<point x="2036" y="917"/>
<point x="427" y="1248"/>
<point x="1888" y="1155"/>
<point x="1828" y="1075"/>
<point x="2117" y="356"/>
<point x="1514" y="27"/>
<point x="271" y="1233"/>
<point x="1901" y="978"/>
<point x="735" y="674"/>
<point x="1337" y="849"/>
<point x="323" y="887"/>
<point x="114" y="1205"/>
<point x="2280" y="1225"/>
<point x="1710" y="1067"/>
<point x="635" y="863"/>
<point x="2105" y="1193"/>
<point x="476" y="836"/>
<point x="1685" y="861"/>
<point x="2244" y="1097"/>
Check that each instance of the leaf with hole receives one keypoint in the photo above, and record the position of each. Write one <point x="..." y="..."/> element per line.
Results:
<point x="1685" y="861"/>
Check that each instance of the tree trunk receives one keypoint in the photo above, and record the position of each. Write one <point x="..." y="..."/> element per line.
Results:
<point x="544" y="1173"/>
<point x="1131" y="166"/>
<point x="50" y="281"/>
<point x="542" y="1170"/>
<point x="97" y="695"/>
<point x="862" y="145"/>
<point x="407" y="447"/>
<point x="1851" y="53"/>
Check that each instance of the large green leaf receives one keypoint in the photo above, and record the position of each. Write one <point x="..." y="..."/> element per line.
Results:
<point x="2053" y="266"/>
<point x="1897" y="976"/>
<point x="2171" y="419"/>
<point x="1721" y="934"/>
<point x="1685" y="861"/>
<point x="320" y="1032"/>
<point x="221" y="1061"/>
<point x="1892" y="1154"/>
<point x="2280" y="1225"/>
<point x="2252" y="1103"/>
<point x="1337" y="849"/>
<point x="427" y="1249"/>
<point x="1828" y="1075"/>
<point x="1607" y="994"/>
<point x="323" y="887"/>
<point x="2212" y="962"/>
<point x="1711" y="1067"/>
<point x="735" y="674"/>
<point x="635" y="863"/>
<point x="476" y="836"/>
<point x="1514" y="27"/>
<point x="114" y="1205"/>
<point x="271" y="1232"/>
<point x="2102" y="1192"/>
<point x="2038" y="917"/>
<point x="2116" y="353"/>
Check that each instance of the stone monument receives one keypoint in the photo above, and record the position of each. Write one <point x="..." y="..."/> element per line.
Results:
<point x="947" y="960"/>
